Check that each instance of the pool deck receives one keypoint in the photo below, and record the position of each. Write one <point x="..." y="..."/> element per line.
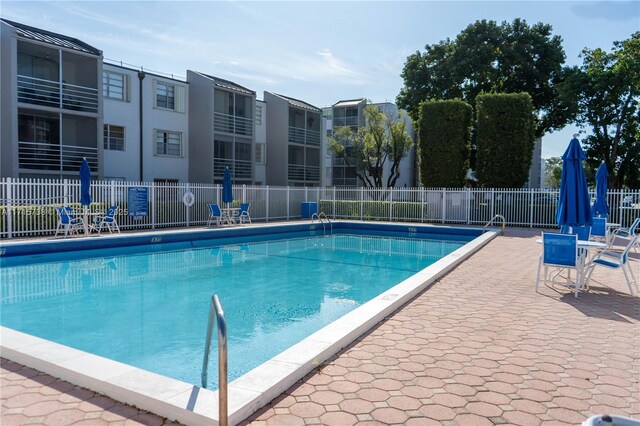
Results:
<point x="479" y="347"/>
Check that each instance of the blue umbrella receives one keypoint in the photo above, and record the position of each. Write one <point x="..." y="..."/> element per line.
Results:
<point x="227" y="187"/>
<point x="600" y="207"/>
<point x="85" y="183"/>
<point x="574" y="207"/>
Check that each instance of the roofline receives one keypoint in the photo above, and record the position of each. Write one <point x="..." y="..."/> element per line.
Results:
<point x="222" y="80"/>
<point x="288" y="98"/>
<point x="18" y="26"/>
<point x="350" y="100"/>
<point x="144" y="71"/>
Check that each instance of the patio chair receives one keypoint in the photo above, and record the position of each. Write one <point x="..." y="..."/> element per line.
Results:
<point x="68" y="222"/>
<point x="583" y="232"/>
<point x="108" y="220"/>
<point x="243" y="213"/>
<point x="615" y="260"/>
<point x="599" y="229"/>
<point x="215" y="214"/>
<point x="559" y="251"/>
<point x="629" y="232"/>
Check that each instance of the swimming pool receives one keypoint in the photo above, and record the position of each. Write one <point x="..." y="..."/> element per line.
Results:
<point x="149" y="309"/>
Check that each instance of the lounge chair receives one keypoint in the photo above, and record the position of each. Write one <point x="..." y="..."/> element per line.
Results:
<point x="615" y="260"/>
<point x="215" y="214"/>
<point x="108" y="220"/>
<point x="68" y="222"/>
<point x="243" y="213"/>
<point x="559" y="251"/>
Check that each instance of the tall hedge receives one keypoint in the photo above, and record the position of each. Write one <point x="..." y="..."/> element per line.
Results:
<point x="444" y="142"/>
<point x="505" y="128"/>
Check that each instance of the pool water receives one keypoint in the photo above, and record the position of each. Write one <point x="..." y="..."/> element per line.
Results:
<point x="150" y="309"/>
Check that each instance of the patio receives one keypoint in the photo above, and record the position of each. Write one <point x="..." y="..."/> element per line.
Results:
<point x="479" y="347"/>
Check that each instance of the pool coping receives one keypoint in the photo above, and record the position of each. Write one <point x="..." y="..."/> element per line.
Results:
<point x="190" y="404"/>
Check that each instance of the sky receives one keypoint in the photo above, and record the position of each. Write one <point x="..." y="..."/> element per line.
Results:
<point x="318" y="52"/>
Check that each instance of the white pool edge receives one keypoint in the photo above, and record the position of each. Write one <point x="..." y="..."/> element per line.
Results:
<point x="193" y="405"/>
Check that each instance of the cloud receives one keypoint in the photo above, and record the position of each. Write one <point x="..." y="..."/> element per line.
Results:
<point x="608" y="10"/>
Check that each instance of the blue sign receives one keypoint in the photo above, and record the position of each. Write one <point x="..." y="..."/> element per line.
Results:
<point x="138" y="203"/>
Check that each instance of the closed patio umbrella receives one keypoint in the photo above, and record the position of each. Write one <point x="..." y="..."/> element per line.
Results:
<point x="574" y="207"/>
<point x="600" y="207"/>
<point x="227" y="187"/>
<point x="85" y="190"/>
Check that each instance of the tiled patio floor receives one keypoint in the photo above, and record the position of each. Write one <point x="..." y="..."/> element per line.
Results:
<point x="479" y="347"/>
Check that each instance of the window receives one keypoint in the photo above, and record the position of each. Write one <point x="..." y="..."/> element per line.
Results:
<point x="38" y="129"/>
<point x="113" y="137"/>
<point x="261" y="153"/>
<point x="168" y="143"/>
<point x="258" y="114"/>
<point x="114" y="86"/>
<point x="165" y="95"/>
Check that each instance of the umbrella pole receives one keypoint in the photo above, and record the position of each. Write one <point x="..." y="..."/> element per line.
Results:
<point x="84" y="221"/>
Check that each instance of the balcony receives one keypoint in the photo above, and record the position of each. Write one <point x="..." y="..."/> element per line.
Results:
<point x="44" y="156"/>
<point x="240" y="169"/>
<point x="232" y="124"/>
<point x="298" y="172"/>
<point x="54" y="94"/>
<point x="304" y="137"/>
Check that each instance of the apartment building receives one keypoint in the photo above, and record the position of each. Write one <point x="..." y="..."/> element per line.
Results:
<point x="222" y="129"/>
<point x="293" y="141"/>
<point x="146" y="126"/>
<point x="350" y="113"/>
<point x="51" y="101"/>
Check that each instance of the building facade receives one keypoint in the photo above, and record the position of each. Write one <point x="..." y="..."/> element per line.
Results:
<point x="51" y="102"/>
<point x="222" y="124"/>
<point x="146" y="126"/>
<point x="293" y="141"/>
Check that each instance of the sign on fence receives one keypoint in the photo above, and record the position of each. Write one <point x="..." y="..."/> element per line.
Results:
<point x="138" y="202"/>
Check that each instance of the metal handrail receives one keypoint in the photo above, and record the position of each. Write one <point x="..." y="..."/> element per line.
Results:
<point x="315" y="216"/>
<point x="498" y="216"/>
<point x="216" y="314"/>
<point x="321" y="216"/>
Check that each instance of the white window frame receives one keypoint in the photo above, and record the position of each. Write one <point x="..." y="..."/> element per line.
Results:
<point x="262" y="157"/>
<point x="107" y="145"/>
<point x="179" y="96"/>
<point x="166" y="134"/>
<point x="258" y="115"/>
<point x="125" y="86"/>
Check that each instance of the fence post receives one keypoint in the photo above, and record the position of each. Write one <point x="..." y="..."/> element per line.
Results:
<point x="391" y="205"/>
<point x="334" y="202"/>
<point x="362" y="203"/>
<point x="267" y="203"/>
<point x="288" y="197"/>
<point x="153" y="206"/>
<point x="244" y="193"/>
<point x="112" y="192"/>
<point x="444" y="205"/>
<point x="468" y="206"/>
<point x="65" y="192"/>
<point x="306" y="194"/>
<point x="493" y="203"/>
<point x="9" y="193"/>
<point x="187" y="207"/>
<point x="531" y="207"/>
<point x="422" y="205"/>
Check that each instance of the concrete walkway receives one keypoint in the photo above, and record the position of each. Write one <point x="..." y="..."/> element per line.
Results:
<point x="479" y="347"/>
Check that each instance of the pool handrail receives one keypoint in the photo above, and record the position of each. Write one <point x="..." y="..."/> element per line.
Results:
<point x="324" y="216"/>
<point x="216" y="314"/>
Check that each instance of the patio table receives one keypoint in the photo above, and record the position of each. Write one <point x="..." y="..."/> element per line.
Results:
<point x="228" y="213"/>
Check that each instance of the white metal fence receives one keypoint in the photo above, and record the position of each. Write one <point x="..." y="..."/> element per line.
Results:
<point x="27" y="206"/>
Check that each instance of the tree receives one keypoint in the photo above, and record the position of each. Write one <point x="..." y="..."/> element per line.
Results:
<point x="487" y="57"/>
<point x="383" y="139"/>
<point x="607" y="89"/>
<point x="506" y="137"/>
<point x="444" y="130"/>
<point x="552" y="172"/>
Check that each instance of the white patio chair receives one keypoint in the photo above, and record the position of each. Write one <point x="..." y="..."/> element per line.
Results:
<point x="615" y="260"/>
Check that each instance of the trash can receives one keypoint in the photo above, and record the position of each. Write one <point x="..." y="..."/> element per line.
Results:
<point x="308" y="209"/>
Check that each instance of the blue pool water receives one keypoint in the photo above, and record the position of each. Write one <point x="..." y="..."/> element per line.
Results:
<point x="148" y="306"/>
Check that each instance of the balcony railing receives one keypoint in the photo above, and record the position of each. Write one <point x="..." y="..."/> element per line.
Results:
<point x="241" y="170"/>
<point x="298" y="172"/>
<point x="231" y="124"/>
<point x="53" y="94"/>
<point x="44" y="156"/>
<point x="303" y="136"/>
